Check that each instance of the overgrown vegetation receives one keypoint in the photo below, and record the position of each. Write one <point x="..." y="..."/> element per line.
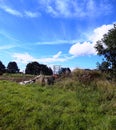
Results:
<point x="69" y="104"/>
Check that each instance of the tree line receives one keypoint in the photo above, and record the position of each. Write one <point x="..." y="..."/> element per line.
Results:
<point x="33" y="68"/>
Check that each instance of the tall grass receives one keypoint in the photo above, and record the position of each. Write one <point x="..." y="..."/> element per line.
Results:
<point x="68" y="105"/>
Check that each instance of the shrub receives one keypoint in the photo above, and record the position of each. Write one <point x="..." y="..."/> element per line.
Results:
<point x="86" y="76"/>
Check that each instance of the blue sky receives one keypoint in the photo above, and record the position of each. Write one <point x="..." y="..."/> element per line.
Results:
<point x="54" y="32"/>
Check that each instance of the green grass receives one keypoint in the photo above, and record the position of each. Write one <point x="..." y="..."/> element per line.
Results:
<point x="33" y="107"/>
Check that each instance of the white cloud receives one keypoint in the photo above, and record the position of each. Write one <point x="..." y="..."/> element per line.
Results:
<point x="51" y="10"/>
<point x="31" y="14"/>
<point x="23" y="58"/>
<point x="57" y="7"/>
<point x="81" y="49"/>
<point x="57" y="55"/>
<point x="63" y="8"/>
<point x="51" y="60"/>
<point x="11" y="11"/>
<point x="99" y="32"/>
<point x="77" y="8"/>
<point x="57" y="42"/>
<point x="26" y="58"/>
<point x="55" y="58"/>
<point x="17" y="13"/>
<point x="88" y="48"/>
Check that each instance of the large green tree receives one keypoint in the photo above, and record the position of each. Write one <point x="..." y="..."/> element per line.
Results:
<point x="107" y="47"/>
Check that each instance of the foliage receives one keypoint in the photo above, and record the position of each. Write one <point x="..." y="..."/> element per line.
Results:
<point x="45" y="70"/>
<point x="87" y="76"/>
<point x="12" y="67"/>
<point x="2" y="68"/>
<point x="32" y="68"/>
<point x="104" y="66"/>
<point x="35" y="68"/>
<point x="107" y="48"/>
<point x="64" y="71"/>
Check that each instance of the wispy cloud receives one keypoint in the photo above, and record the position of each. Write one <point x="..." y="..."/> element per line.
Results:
<point x="63" y="8"/>
<point x="26" y="58"/>
<point x="11" y="11"/>
<point x="7" y="41"/>
<point x="23" y="58"/>
<point x="7" y="35"/>
<point x="32" y="14"/>
<point x="88" y="48"/>
<point x="57" y="55"/>
<point x="77" y="8"/>
<point x="57" y="42"/>
<point x="6" y="47"/>
<point x="17" y="13"/>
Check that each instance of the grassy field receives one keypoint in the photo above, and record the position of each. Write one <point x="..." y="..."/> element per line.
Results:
<point x="67" y="105"/>
<point x="15" y="77"/>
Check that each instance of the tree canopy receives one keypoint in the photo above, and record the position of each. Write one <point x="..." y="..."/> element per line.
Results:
<point x="35" y="68"/>
<point x="107" y="47"/>
<point x="12" y="67"/>
<point x="32" y="68"/>
<point x="65" y="71"/>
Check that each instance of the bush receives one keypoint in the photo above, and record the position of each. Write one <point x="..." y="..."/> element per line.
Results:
<point x="86" y="76"/>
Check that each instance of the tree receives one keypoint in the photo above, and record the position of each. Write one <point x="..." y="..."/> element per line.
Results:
<point x="50" y="72"/>
<point x="45" y="69"/>
<point x="65" y="71"/>
<point x="107" y="47"/>
<point x="12" y="67"/>
<point x="2" y="68"/>
<point x="104" y="66"/>
<point x="33" y="68"/>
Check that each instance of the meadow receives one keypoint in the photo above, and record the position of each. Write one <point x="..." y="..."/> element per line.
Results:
<point x="66" y="105"/>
